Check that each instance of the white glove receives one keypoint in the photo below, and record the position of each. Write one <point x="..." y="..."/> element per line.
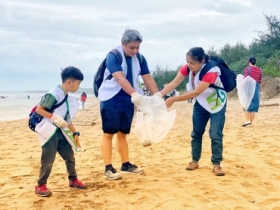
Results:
<point x="158" y="94"/>
<point x="59" y="121"/>
<point x="136" y="98"/>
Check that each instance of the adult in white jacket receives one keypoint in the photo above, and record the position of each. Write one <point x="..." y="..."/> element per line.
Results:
<point x="118" y="94"/>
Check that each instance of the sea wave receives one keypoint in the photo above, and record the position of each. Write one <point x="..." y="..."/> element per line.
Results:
<point x="15" y="106"/>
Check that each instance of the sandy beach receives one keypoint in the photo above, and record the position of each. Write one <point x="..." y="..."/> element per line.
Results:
<point x="251" y="162"/>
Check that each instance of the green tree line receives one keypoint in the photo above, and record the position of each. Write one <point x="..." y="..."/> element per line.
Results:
<point x="265" y="48"/>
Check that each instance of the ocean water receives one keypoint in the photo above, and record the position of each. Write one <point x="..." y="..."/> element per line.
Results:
<point x="17" y="106"/>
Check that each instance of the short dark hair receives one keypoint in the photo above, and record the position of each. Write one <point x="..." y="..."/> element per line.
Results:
<point x="72" y="73"/>
<point x="252" y="60"/>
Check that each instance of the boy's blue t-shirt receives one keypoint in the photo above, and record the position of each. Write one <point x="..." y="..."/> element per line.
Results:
<point x="122" y="99"/>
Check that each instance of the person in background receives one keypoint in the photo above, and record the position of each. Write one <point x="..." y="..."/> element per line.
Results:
<point x="209" y="104"/>
<point x="145" y="91"/>
<point x="256" y="73"/>
<point x="173" y="92"/>
<point x="83" y="99"/>
<point x="118" y="96"/>
<point x="188" y="89"/>
<point x="167" y="95"/>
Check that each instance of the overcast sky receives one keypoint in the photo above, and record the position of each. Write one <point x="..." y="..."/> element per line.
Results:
<point x="39" y="37"/>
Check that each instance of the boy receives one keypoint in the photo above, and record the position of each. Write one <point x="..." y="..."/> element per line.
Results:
<point x="51" y="137"/>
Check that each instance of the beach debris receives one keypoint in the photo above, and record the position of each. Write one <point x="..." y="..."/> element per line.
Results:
<point x="84" y="122"/>
<point x="273" y="104"/>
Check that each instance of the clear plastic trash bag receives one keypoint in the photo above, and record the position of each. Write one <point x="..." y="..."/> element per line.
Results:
<point x="245" y="90"/>
<point x="153" y="121"/>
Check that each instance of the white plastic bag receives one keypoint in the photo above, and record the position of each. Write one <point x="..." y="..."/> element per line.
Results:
<point x="70" y="138"/>
<point x="245" y="90"/>
<point x="153" y="121"/>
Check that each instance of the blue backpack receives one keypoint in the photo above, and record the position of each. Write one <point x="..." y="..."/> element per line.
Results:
<point x="35" y="118"/>
<point x="228" y="76"/>
<point x="99" y="75"/>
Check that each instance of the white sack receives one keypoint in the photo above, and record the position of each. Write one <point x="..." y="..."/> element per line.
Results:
<point x="153" y="121"/>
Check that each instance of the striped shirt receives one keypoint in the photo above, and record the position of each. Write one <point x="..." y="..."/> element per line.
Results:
<point x="255" y="72"/>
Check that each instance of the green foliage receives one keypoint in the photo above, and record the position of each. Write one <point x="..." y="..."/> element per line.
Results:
<point x="212" y="52"/>
<point x="162" y="76"/>
<point x="266" y="49"/>
<point x="234" y="53"/>
<point x="272" y="66"/>
<point x="236" y="56"/>
<point x="239" y="66"/>
<point x="268" y="41"/>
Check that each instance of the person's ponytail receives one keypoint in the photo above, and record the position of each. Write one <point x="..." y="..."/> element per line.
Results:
<point x="197" y="54"/>
<point x="206" y="58"/>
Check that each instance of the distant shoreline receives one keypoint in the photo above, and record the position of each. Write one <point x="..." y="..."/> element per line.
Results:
<point x="35" y="91"/>
<point x="87" y="90"/>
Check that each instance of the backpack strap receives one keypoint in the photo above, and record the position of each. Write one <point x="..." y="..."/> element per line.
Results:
<point x="59" y="104"/>
<point x="205" y="69"/>
<point x="118" y="54"/>
<point x="249" y="71"/>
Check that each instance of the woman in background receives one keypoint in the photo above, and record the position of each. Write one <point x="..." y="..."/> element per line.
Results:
<point x="83" y="99"/>
<point x="256" y="73"/>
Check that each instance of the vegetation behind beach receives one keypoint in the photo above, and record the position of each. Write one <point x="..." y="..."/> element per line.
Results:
<point x="265" y="48"/>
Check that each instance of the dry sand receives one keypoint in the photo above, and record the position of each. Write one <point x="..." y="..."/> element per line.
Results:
<point x="251" y="162"/>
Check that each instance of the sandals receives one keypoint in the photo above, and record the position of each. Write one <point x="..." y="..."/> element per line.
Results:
<point x="218" y="171"/>
<point x="192" y="166"/>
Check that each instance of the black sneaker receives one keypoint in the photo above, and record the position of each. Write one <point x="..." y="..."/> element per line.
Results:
<point x="132" y="169"/>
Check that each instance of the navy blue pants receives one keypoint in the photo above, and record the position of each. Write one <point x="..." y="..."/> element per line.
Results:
<point x="217" y="121"/>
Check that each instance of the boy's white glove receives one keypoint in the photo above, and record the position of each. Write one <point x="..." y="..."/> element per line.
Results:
<point x="158" y="94"/>
<point x="59" y="121"/>
<point x="136" y="98"/>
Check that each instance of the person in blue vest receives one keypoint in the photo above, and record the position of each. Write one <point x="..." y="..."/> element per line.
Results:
<point x="208" y="104"/>
<point x="118" y="96"/>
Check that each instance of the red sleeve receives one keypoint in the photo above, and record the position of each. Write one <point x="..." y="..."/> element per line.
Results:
<point x="210" y="77"/>
<point x="246" y="72"/>
<point x="184" y="70"/>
